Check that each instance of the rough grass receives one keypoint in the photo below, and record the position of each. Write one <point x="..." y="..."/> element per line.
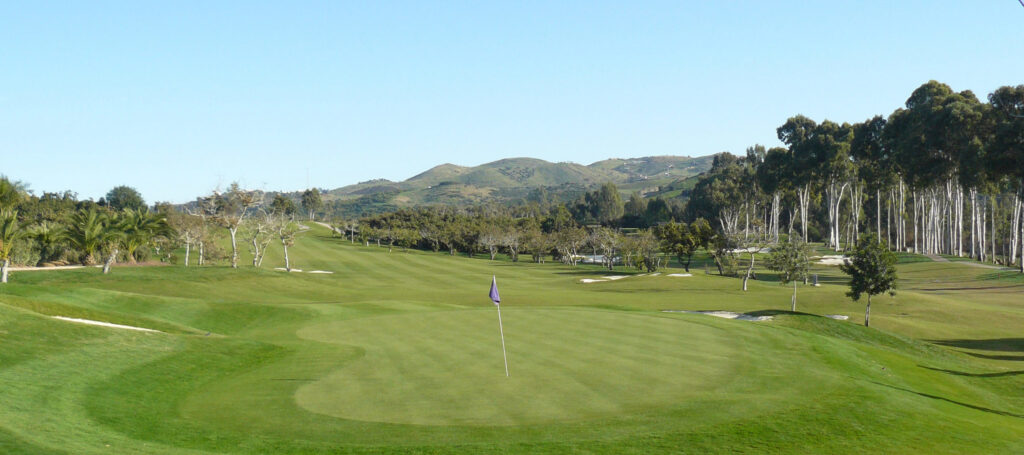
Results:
<point x="399" y="353"/>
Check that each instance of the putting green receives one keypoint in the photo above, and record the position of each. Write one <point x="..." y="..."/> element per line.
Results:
<point x="445" y="368"/>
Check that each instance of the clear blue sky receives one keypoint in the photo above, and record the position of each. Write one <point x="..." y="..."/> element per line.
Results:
<point x="174" y="98"/>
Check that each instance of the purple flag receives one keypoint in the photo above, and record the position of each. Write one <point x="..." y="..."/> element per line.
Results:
<point x="494" y="290"/>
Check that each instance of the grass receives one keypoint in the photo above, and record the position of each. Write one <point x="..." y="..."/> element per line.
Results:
<point x="399" y="353"/>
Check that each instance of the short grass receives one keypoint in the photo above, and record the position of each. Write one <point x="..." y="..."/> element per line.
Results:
<point x="399" y="353"/>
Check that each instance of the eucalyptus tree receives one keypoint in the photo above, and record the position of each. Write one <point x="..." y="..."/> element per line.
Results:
<point x="937" y="142"/>
<point x="875" y="166"/>
<point x="797" y="133"/>
<point x="773" y="178"/>
<point x="830" y="149"/>
<point x="11" y="231"/>
<point x="188" y="229"/>
<point x="646" y="249"/>
<point x="311" y="202"/>
<point x="1006" y="151"/>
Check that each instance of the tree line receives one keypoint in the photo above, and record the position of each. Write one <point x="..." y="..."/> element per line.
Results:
<point x="56" y="229"/>
<point x="942" y="175"/>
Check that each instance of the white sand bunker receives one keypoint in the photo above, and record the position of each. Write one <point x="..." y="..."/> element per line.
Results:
<point x="591" y="280"/>
<point x="104" y="324"/>
<point x="833" y="260"/>
<point x="615" y="277"/>
<point x="656" y="274"/>
<point x="840" y="317"/>
<point x="320" y="271"/>
<point x="680" y="274"/>
<point x="282" y="269"/>
<point x="725" y="314"/>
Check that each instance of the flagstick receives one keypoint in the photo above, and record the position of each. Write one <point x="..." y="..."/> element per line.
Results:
<point x="502" y="330"/>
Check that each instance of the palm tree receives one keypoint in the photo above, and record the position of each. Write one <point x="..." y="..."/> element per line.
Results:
<point x="139" y="227"/>
<point x="51" y="237"/>
<point x="10" y="231"/>
<point x="87" y="233"/>
<point x="112" y="237"/>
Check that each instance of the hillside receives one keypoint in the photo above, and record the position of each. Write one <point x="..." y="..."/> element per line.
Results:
<point x="512" y="179"/>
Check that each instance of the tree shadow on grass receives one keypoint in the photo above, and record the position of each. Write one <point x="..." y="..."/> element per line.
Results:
<point x="975" y="375"/>
<point x="994" y="344"/>
<point x="959" y="403"/>
<point x="1011" y="358"/>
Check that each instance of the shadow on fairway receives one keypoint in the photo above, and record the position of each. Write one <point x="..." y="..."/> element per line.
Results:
<point x="959" y="403"/>
<point x="995" y="344"/>
<point x="975" y="375"/>
<point x="1012" y="358"/>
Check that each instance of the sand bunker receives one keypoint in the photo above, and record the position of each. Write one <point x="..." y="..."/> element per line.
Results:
<point x="282" y="269"/>
<point x="590" y="280"/>
<point x="833" y="260"/>
<point x="104" y="324"/>
<point x="724" y="314"/>
<point x="680" y="274"/>
<point x="614" y="277"/>
<point x="320" y="271"/>
<point x="840" y="317"/>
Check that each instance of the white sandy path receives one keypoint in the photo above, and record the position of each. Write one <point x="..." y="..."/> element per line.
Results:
<point x="724" y="314"/>
<point x="104" y="324"/>
<point x="59" y="267"/>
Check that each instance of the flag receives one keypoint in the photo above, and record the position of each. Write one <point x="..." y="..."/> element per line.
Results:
<point x="494" y="290"/>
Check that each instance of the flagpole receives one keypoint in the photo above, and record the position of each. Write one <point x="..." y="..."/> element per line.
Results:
<point x="502" y="330"/>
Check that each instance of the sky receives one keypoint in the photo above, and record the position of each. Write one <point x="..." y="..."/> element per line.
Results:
<point x="178" y="98"/>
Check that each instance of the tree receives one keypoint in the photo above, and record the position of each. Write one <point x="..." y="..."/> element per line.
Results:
<point x="230" y="209"/>
<point x="872" y="270"/>
<point x="607" y="204"/>
<point x="140" y="227"/>
<point x="286" y="231"/>
<point x="678" y="240"/>
<point x="111" y="238"/>
<point x="85" y="233"/>
<point x="646" y="251"/>
<point x="792" y="260"/>
<point x="282" y="205"/>
<point x="11" y="193"/>
<point x="10" y="231"/>
<point x="125" y="197"/>
<point x="189" y="229"/>
<point x="312" y="202"/>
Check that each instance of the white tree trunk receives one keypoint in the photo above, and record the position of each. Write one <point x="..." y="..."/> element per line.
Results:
<point x="3" y="270"/>
<point x="110" y="261"/>
<point x="287" y="263"/>
<point x="188" y="249"/>
<point x="234" y="247"/>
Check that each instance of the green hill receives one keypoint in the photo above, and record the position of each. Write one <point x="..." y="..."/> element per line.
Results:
<point x="511" y="180"/>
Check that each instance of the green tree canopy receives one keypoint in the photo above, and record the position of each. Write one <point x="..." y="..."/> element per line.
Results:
<point x="872" y="270"/>
<point x="125" y="197"/>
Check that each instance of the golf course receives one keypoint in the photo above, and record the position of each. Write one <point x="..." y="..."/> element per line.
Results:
<point x="400" y="353"/>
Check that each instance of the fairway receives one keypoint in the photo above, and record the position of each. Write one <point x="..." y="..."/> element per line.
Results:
<point x="400" y="353"/>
